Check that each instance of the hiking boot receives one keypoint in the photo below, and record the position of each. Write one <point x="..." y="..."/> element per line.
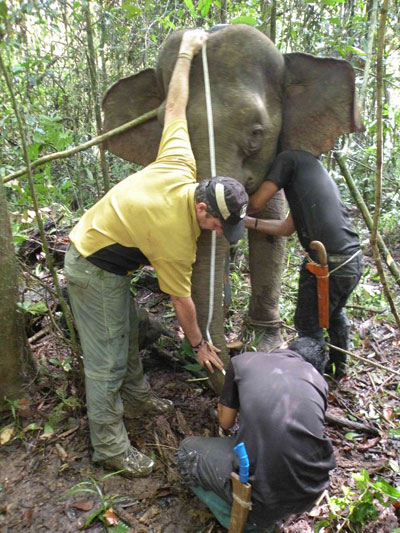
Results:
<point x="132" y="463"/>
<point x="269" y="339"/>
<point x="152" y="406"/>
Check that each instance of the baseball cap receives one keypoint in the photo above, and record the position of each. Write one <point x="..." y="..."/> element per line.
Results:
<point x="229" y="200"/>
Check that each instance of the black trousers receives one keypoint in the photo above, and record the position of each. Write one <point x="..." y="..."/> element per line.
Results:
<point x="341" y="285"/>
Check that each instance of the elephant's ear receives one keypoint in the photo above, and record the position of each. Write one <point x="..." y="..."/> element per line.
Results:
<point x="319" y="104"/>
<point x="126" y="100"/>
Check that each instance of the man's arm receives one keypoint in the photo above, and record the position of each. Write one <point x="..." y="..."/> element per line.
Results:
<point x="262" y="195"/>
<point x="272" y="227"/>
<point x="187" y="318"/>
<point x="226" y="416"/>
<point x="178" y="91"/>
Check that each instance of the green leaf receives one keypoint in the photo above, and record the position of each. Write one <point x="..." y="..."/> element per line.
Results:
<point x="321" y="524"/>
<point x="356" y="50"/>
<point x="131" y="9"/>
<point x="32" y="427"/>
<point x="363" y="512"/>
<point x="250" y="21"/>
<point x="3" y="10"/>
<point x="351" y="435"/>
<point x="196" y="367"/>
<point x="38" y="308"/>
<point x="394" y="433"/>
<point x="33" y="151"/>
<point x="48" y="429"/>
<point x="190" y="6"/>
<point x="66" y="365"/>
<point x="204" y="7"/>
<point x="386" y="488"/>
<point x="94" y="515"/>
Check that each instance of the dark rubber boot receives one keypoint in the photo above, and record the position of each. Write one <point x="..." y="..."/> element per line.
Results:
<point x="337" y="360"/>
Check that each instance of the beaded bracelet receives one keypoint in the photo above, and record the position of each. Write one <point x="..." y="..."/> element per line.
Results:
<point x="198" y="346"/>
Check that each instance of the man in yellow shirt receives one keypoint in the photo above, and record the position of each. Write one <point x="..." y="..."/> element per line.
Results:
<point x="152" y="217"/>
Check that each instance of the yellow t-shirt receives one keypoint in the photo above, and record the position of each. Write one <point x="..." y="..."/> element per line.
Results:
<point x="152" y="210"/>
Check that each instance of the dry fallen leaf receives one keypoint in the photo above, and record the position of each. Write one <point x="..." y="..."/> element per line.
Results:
<point x="387" y="413"/>
<point x="83" y="505"/>
<point x="235" y="345"/>
<point x="28" y="515"/>
<point x="110" y="517"/>
<point x="368" y="444"/>
<point x="6" y="435"/>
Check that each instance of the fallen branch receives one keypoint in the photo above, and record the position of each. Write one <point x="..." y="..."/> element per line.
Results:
<point x="357" y="426"/>
<point x="353" y="355"/>
<point x="364" y="359"/>
<point x="39" y="334"/>
<point x="128" y="518"/>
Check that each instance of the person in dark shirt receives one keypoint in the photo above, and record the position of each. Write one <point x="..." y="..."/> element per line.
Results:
<point x="317" y="213"/>
<point x="281" y="398"/>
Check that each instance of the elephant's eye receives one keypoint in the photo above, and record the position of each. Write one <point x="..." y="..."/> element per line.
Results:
<point x="255" y="140"/>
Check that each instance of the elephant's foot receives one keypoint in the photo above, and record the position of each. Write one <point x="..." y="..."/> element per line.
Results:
<point x="268" y="339"/>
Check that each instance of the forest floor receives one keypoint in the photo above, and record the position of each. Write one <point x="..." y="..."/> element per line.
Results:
<point x="48" y="483"/>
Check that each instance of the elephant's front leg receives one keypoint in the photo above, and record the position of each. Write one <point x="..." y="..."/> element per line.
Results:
<point x="266" y="254"/>
<point x="201" y="297"/>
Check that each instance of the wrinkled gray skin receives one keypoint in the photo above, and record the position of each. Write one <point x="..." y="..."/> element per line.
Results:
<point x="263" y="102"/>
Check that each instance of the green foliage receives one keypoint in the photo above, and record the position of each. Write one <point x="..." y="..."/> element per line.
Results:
<point x="16" y="430"/>
<point x="36" y="308"/>
<point x="359" y="507"/>
<point x="106" y="501"/>
<point x="188" y="355"/>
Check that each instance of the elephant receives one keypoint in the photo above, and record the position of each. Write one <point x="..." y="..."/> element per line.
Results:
<point x="263" y="102"/>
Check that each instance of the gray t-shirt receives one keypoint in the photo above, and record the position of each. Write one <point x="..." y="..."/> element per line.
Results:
<point x="282" y="403"/>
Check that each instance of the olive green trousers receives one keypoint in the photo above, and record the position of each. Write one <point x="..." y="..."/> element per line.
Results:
<point x="107" y="322"/>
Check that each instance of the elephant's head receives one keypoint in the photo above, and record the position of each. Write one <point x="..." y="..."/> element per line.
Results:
<point x="262" y="102"/>
<point x="259" y="97"/>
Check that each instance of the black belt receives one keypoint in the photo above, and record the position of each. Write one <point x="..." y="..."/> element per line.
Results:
<point x="335" y="258"/>
<point x="338" y="258"/>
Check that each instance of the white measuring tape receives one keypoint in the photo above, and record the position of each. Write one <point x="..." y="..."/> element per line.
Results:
<point x="213" y="173"/>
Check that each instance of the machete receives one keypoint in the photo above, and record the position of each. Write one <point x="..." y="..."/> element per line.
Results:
<point x="321" y="272"/>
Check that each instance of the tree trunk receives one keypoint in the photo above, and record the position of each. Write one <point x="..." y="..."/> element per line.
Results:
<point x="95" y="96"/>
<point x="371" y="34"/>
<point x="11" y="332"/>
<point x="379" y="158"/>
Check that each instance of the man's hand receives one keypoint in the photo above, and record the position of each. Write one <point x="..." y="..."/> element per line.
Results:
<point x="207" y="355"/>
<point x="205" y="352"/>
<point x="192" y="41"/>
